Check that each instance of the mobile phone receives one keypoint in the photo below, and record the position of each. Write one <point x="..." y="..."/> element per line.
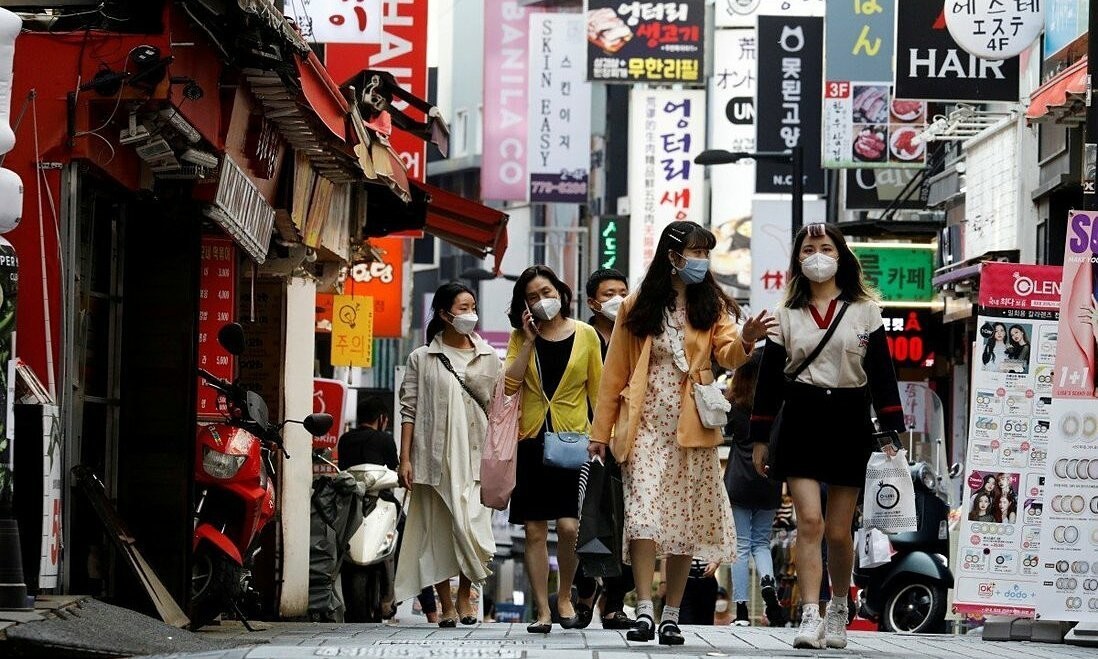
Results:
<point x="533" y="318"/>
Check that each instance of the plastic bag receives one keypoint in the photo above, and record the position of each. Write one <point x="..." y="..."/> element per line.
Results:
<point x="874" y="549"/>
<point x="889" y="503"/>
<point x="497" y="459"/>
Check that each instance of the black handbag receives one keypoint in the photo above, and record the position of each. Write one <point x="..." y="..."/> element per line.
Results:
<point x="599" y="542"/>
<point x="776" y="429"/>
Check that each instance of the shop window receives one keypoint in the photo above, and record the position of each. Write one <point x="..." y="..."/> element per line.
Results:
<point x="1042" y="241"/>
<point x="1051" y="141"/>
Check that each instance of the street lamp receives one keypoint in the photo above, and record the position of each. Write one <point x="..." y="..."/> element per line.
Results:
<point x="794" y="157"/>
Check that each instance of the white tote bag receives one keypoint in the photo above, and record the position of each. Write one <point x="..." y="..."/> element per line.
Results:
<point x="889" y="503"/>
<point x="874" y="549"/>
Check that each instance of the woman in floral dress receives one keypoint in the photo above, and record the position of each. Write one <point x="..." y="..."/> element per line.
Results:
<point x="665" y="339"/>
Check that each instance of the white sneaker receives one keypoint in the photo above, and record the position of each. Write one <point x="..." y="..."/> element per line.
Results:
<point x="811" y="633"/>
<point x="835" y="625"/>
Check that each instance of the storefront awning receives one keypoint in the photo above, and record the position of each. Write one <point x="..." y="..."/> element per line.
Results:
<point x="1061" y="99"/>
<point x="473" y="227"/>
<point x="323" y="94"/>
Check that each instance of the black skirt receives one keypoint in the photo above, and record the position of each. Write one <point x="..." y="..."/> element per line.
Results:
<point x="542" y="492"/>
<point x="825" y="434"/>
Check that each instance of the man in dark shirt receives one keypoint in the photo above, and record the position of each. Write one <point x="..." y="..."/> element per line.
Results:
<point x="606" y="289"/>
<point x="369" y="443"/>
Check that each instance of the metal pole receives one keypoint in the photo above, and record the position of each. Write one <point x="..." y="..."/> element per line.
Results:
<point x="797" y="159"/>
<point x="1090" y="148"/>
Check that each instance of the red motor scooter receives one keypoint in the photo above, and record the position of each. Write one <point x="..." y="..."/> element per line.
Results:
<point x="234" y="478"/>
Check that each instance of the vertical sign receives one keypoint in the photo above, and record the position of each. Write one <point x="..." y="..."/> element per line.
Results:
<point x="264" y="361"/>
<point x="337" y="21"/>
<point x="613" y="243"/>
<point x="1069" y="534"/>
<point x="52" y="459"/>
<point x="383" y="280"/>
<point x="329" y="397"/>
<point x="661" y="42"/>
<point x="1004" y="489"/>
<point x="506" y="64"/>
<point x="560" y="111"/>
<point x="353" y="331"/>
<point x="216" y="303"/>
<point x="402" y="51"/>
<point x="666" y="131"/>
<point x="789" y="99"/>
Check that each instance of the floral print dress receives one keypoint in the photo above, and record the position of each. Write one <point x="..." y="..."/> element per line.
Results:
<point x="674" y="495"/>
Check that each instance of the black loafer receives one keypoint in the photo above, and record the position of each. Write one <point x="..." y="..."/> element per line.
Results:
<point x="642" y="631"/>
<point x="670" y="634"/>
<point x="539" y="627"/>
<point x="468" y="620"/>
<point x="618" y="620"/>
<point x="447" y="623"/>
<point x="575" y="622"/>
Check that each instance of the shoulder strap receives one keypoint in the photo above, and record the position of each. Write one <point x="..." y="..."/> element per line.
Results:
<point x="541" y="384"/>
<point x="823" y="342"/>
<point x="464" y="387"/>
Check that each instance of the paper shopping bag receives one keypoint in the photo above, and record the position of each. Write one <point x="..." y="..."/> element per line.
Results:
<point x="889" y="499"/>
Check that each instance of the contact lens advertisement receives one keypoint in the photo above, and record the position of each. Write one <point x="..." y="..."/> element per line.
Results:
<point x="1069" y="562"/>
<point x="1011" y="411"/>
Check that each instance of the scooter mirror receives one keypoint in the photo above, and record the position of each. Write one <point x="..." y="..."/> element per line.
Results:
<point x="318" y="424"/>
<point x="231" y="337"/>
<point x="956" y="469"/>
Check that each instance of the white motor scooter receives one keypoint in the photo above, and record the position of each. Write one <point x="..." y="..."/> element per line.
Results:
<point x="369" y="568"/>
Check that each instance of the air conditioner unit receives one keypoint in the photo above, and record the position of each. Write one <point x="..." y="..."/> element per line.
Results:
<point x="134" y="132"/>
<point x="165" y="167"/>
<point x="186" y="173"/>
<point x="154" y="150"/>
<point x="181" y="126"/>
<point x="201" y="158"/>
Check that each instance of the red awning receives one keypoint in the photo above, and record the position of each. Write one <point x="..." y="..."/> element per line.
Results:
<point x="323" y="94"/>
<point x="1057" y="99"/>
<point x="473" y="227"/>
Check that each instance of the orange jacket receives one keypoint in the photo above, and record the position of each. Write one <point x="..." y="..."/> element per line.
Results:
<point x="625" y="382"/>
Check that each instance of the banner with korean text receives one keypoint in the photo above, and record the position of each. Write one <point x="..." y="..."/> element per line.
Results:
<point x="560" y="110"/>
<point x="1069" y="536"/>
<point x="666" y="131"/>
<point x="506" y="71"/>
<point x="1000" y="545"/>
<point x="659" y="42"/>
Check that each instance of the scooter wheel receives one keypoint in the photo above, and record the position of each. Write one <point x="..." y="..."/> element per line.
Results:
<point x="215" y="584"/>
<point x="914" y="607"/>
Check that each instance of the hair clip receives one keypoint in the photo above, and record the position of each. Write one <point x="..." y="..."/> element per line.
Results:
<point x="816" y="230"/>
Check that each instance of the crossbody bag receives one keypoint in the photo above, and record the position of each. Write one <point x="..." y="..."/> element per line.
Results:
<point x="564" y="449"/>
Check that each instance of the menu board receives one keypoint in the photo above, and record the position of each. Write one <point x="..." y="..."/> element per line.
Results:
<point x="216" y="305"/>
<point x="263" y="360"/>
<point x="1069" y="562"/>
<point x="999" y="547"/>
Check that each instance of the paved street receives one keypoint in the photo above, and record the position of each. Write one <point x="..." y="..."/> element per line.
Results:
<point x="283" y="640"/>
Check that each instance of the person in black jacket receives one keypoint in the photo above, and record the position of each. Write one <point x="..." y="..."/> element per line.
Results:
<point x="755" y="500"/>
<point x="369" y="443"/>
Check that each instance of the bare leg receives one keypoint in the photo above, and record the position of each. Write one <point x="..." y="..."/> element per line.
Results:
<point x="537" y="567"/>
<point x="567" y="530"/>
<point x="677" y="570"/>
<point x="446" y="601"/>
<point x="464" y="596"/>
<point x="841" y="502"/>
<point x="810" y="530"/>
<point x="643" y="555"/>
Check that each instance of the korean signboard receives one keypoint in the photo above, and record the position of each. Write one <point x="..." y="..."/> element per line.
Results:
<point x="353" y="331"/>
<point x="1069" y="533"/>
<point x="931" y="66"/>
<point x="382" y="280"/>
<point x="874" y="189"/>
<point x="742" y="13"/>
<point x="1004" y="490"/>
<point x="659" y="42"/>
<point x="612" y="243"/>
<point x="666" y="131"/>
<point x="1065" y="21"/>
<point x="337" y="21"/>
<point x="910" y="334"/>
<point x="506" y="70"/>
<point x="789" y="99"/>
<point x="995" y="29"/>
<point x="216" y="302"/>
<point x="560" y="110"/>
<point x="859" y="39"/>
<point x="900" y="273"/>
<point x="329" y="397"/>
<point x="732" y="123"/>
<point x="771" y="238"/>
<point x="401" y="51"/>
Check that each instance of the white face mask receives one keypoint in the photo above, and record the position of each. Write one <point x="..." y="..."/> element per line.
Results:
<point x="610" y="307"/>
<point x="722" y="606"/>
<point x="820" y="267"/>
<point x="546" y="308"/>
<point x="465" y="323"/>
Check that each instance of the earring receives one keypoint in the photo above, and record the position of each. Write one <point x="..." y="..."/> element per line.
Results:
<point x="674" y="270"/>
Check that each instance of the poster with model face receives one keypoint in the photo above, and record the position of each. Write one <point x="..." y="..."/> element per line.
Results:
<point x="1069" y="532"/>
<point x="996" y="566"/>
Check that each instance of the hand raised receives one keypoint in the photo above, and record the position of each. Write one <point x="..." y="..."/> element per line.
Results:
<point x="759" y="327"/>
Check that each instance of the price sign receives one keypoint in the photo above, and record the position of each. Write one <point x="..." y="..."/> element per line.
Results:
<point x="908" y="332"/>
<point x="216" y="302"/>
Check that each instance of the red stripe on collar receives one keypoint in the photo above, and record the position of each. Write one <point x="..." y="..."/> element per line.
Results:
<point x="823" y="322"/>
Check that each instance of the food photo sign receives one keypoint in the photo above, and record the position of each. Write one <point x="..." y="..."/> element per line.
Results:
<point x="866" y="128"/>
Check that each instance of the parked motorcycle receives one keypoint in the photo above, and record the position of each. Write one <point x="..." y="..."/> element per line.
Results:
<point x="234" y="477"/>
<point x="908" y="594"/>
<point x="370" y="567"/>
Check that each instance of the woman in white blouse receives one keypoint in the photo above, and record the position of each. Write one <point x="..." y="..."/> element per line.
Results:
<point x="825" y="433"/>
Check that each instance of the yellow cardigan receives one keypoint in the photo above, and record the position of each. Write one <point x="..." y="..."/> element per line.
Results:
<point x="579" y="382"/>
<point x="625" y="382"/>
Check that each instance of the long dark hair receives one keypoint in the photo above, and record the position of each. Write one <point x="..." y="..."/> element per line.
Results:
<point x="989" y="342"/>
<point x="442" y="302"/>
<point x="852" y="286"/>
<point x="705" y="301"/>
<point x="744" y="379"/>
<point x="518" y="296"/>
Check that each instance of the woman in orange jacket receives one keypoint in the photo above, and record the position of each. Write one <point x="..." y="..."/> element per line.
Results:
<point x="665" y="339"/>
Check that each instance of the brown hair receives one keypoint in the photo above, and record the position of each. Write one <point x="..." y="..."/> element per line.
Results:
<point x="744" y="379"/>
<point x="852" y="286"/>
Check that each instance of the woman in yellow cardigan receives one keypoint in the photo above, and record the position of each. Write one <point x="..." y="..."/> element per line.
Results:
<point x="557" y="363"/>
<point x="665" y="339"/>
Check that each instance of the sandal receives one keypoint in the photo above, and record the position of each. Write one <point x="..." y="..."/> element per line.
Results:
<point x="643" y="630"/>
<point x="670" y="634"/>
